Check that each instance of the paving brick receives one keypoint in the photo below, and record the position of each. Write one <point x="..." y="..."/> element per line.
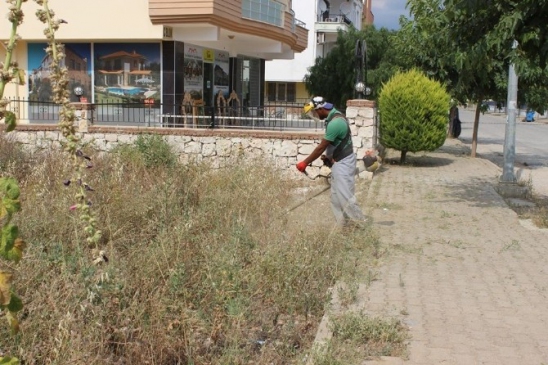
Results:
<point x="467" y="359"/>
<point x="474" y="279"/>
<point x="440" y="355"/>
<point x="489" y="358"/>
<point x="420" y="350"/>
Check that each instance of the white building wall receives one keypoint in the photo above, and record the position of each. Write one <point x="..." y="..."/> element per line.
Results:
<point x="105" y="20"/>
<point x="307" y="10"/>
<point x="295" y="69"/>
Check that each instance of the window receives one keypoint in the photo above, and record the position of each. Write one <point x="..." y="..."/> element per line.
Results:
<point x="291" y="92"/>
<point x="282" y="91"/>
<point x="245" y="81"/>
<point x="268" y="11"/>
<point x="271" y="91"/>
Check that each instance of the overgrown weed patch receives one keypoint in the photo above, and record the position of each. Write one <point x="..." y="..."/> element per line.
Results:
<point x="199" y="271"/>
<point x="357" y="336"/>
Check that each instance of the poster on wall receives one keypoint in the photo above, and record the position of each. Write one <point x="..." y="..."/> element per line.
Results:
<point x="77" y="61"/>
<point x="194" y="77"/>
<point x="221" y="74"/>
<point x="127" y="72"/>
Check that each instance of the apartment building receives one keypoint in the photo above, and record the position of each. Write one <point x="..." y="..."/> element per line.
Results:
<point x="284" y="78"/>
<point x="164" y="50"/>
<point x="368" y="17"/>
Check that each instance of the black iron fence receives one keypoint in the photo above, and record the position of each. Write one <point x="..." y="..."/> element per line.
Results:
<point x="282" y="116"/>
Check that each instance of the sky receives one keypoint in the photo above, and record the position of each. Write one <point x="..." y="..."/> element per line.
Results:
<point x="387" y="13"/>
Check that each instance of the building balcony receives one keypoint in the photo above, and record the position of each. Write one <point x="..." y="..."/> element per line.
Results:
<point x="332" y="24"/>
<point x="268" y="27"/>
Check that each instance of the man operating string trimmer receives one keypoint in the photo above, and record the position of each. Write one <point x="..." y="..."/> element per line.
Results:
<point x="339" y="152"/>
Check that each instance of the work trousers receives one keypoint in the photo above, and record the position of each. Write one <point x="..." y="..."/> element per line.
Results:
<point x="343" y="200"/>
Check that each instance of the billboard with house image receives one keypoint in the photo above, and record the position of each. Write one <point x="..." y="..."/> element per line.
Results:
<point x="77" y="61"/>
<point x="221" y="73"/>
<point x="127" y="72"/>
<point x="193" y="72"/>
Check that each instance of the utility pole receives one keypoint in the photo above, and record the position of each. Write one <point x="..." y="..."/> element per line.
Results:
<point x="510" y="134"/>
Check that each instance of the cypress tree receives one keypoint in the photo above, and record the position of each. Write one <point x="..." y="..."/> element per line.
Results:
<point x="414" y="113"/>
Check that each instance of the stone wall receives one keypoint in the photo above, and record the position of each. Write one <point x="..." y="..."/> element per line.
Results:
<point x="216" y="146"/>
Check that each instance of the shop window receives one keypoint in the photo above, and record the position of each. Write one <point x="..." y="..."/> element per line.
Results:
<point x="282" y="91"/>
<point x="271" y="90"/>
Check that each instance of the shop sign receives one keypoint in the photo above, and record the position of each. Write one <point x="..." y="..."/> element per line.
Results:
<point x="209" y="55"/>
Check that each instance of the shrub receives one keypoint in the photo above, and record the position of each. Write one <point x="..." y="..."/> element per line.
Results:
<point x="413" y="113"/>
<point x="14" y="162"/>
<point x="151" y="150"/>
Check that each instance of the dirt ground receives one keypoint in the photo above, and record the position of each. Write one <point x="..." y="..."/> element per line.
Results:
<point x="312" y="206"/>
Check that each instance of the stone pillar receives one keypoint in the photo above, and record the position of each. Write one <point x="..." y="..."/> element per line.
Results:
<point x="84" y="116"/>
<point x="361" y="115"/>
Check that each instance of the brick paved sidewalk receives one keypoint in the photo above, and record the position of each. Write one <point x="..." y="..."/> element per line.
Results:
<point x="471" y="282"/>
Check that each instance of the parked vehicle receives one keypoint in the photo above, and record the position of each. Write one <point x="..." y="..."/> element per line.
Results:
<point x="530" y="116"/>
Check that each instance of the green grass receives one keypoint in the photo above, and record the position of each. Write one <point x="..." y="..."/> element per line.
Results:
<point x="357" y="336"/>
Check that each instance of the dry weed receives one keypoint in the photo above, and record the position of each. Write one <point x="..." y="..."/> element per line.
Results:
<point x="199" y="269"/>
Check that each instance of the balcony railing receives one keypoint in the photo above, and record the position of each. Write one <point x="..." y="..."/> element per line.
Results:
<point x="300" y="23"/>
<point x="268" y="11"/>
<point x="333" y="18"/>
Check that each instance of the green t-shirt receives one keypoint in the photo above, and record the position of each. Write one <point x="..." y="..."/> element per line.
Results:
<point x="336" y="129"/>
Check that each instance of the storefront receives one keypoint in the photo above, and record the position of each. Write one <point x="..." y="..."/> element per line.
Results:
<point x="127" y="81"/>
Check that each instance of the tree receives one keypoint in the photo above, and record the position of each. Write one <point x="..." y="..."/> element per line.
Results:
<point x="333" y="76"/>
<point x="383" y="60"/>
<point x="504" y="21"/>
<point x="458" y="57"/>
<point x="413" y="113"/>
<point x="468" y="46"/>
<point x="498" y="25"/>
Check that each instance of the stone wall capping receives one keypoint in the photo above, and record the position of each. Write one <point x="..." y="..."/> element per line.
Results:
<point x="361" y="103"/>
<point x="218" y="146"/>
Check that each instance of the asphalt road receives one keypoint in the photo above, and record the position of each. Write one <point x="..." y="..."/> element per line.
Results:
<point x="531" y="145"/>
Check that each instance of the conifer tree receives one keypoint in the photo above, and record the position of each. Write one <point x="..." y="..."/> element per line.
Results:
<point x="413" y="111"/>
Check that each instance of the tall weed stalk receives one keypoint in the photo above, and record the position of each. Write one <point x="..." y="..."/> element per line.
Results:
<point x="11" y="245"/>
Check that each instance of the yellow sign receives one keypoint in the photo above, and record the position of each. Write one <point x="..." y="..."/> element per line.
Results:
<point x="209" y="55"/>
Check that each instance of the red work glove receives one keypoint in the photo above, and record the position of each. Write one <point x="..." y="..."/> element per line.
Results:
<point x="301" y="166"/>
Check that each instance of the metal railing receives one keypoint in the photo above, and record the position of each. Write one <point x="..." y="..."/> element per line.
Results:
<point x="333" y="18"/>
<point x="279" y="116"/>
<point x="300" y="23"/>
